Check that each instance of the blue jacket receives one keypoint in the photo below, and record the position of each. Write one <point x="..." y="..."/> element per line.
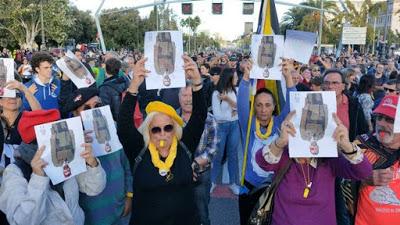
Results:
<point x="47" y="98"/>
<point x="243" y="114"/>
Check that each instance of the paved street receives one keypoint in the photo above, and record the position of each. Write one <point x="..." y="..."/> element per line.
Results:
<point x="223" y="207"/>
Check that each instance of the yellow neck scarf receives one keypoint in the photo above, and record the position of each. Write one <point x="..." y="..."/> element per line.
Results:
<point x="269" y="129"/>
<point x="163" y="167"/>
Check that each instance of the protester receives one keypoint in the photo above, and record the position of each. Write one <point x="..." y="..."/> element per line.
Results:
<point x="365" y="97"/>
<point x="163" y="190"/>
<point x="26" y="195"/>
<point x="113" y="86"/>
<point x="25" y="70"/>
<point x="264" y="126"/>
<point x="203" y="155"/>
<point x="306" y="194"/>
<point x="379" y="201"/>
<point x="225" y="112"/>
<point x="116" y="198"/>
<point x="44" y="86"/>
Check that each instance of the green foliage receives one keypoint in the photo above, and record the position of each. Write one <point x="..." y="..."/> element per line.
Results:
<point x="84" y="28"/>
<point x="21" y="20"/>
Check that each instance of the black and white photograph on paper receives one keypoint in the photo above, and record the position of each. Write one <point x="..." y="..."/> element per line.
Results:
<point x="164" y="50"/>
<point x="6" y="75"/>
<point x="75" y="70"/>
<point x="266" y="54"/>
<point x="62" y="140"/>
<point x="105" y="138"/>
<point x="314" y="124"/>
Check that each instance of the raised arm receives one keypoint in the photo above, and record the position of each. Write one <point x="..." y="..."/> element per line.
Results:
<point x="243" y="98"/>
<point x="194" y="128"/>
<point x="129" y="136"/>
<point x="30" y="98"/>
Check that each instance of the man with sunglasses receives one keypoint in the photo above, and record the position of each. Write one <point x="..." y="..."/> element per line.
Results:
<point x="116" y="199"/>
<point x="379" y="196"/>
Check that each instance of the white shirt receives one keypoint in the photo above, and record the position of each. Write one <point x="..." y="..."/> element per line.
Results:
<point x="223" y="112"/>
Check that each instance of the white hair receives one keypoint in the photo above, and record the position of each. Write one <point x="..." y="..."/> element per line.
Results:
<point x="144" y="127"/>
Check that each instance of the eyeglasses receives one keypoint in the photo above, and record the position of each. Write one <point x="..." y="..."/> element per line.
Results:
<point x="97" y="105"/>
<point x="380" y="117"/>
<point x="334" y="83"/>
<point x="315" y="70"/>
<point x="389" y="90"/>
<point x="167" y="128"/>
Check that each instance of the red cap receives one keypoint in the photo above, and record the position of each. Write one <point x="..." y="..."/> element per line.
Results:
<point x="387" y="106"/>
<point x="30" y="119"/>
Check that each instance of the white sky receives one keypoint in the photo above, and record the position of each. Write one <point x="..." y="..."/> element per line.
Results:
<point x="229" y="25"/>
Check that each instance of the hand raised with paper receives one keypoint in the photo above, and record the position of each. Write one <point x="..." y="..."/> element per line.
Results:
<point x="88" y="155"/>
<point x="287" y="68"/>
<point x="246" y="67"/>
<point x="139" y="74"/>
<point x="37" y="163"/>
<point x="341" y="135"/>
<point x="287" y="128"/>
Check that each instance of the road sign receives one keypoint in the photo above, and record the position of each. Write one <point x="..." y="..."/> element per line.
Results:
<point x="354" y="35"/>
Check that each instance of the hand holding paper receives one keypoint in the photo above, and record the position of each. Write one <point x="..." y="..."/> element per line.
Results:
<point x="341" y="135"/>
<point x="88" y="155"/>
<point x="139" y="74"/>
<point x="37" y="163"/>
<point x="287" y="128"/>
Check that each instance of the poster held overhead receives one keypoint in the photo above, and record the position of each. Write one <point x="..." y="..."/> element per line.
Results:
<point x="6" y="75"/>
<point x="314" y="124"/>
<point x="62" y="140"/>
<point x="105" y="138"/>
<point x="299" y="45"/>
<point x="75" y="70"/>
<point x="267" y="51"/>
<point x="164" y="50"/>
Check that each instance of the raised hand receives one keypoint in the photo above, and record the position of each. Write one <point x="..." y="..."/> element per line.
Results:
<point x="287" y="128"/>
<point x="341" y="135"/>
<point x="139" y="74"/>
<point x="88" y="155"/>
<point x="37" y="163"/>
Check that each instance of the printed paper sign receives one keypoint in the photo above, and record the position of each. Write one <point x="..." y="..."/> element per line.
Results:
<point x="299" y="45"/>
<point x="63" y="140"/>
<point x="164" y="50"/>
<point x="314" y="124"/>
<point x="75" y="70"/>
<point x="105" y="138"/>
<point x="266" y="54"/>
<point x="6" y="75"/>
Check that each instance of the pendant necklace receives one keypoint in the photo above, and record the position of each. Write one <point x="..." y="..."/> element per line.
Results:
<point x="307" y="181"/>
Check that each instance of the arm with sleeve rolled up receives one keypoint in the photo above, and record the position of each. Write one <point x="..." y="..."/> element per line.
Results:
<point x="23" y="202"/>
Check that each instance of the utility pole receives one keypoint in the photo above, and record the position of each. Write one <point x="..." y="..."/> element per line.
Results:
<point x="321" y="15"/>
<point x="383" y="55"/>
<point x="43" y="46"/>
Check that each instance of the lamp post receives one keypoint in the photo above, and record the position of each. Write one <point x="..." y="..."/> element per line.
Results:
<point x="43" y="46"/>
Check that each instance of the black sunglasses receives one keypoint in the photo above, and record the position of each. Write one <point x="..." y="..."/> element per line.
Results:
<point x="87" y="107"/>
<point x="379" y="117"/>
<point x="389" y="90"/>
<point x="167" y="128"/>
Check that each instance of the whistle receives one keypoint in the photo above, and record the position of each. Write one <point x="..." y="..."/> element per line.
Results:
<point x="162" y="143"/>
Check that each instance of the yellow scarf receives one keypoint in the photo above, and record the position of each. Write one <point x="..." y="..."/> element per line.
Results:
<point x="163" y="167"/>
<point x="269" y="129"/>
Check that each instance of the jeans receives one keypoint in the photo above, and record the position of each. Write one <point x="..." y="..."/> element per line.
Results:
<point x="202" y="196"/>
<point x="229" y="140"/>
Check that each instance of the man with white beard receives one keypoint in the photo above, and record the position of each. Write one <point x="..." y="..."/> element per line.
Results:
<point x="379" y="196"/>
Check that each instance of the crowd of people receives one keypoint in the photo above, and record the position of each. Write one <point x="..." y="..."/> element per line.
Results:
<point x="175" y="142"/>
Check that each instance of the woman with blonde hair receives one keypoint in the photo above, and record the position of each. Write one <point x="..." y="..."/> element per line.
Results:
<point x="160" y="153"/>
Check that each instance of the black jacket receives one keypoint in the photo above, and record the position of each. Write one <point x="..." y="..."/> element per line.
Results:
<point x="358" y="124"/>
<point x="111" y="91"/>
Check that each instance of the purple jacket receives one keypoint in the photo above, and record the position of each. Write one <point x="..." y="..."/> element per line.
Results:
<point x="290" y="208"/>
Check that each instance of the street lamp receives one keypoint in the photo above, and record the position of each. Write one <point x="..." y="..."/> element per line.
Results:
<point x="43" y="46"/>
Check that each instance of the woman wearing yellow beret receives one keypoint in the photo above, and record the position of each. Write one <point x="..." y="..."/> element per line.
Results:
<point x="160" y="152"/>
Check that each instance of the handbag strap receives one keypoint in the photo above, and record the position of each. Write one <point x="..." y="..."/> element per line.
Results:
<point x="265" y="200"/>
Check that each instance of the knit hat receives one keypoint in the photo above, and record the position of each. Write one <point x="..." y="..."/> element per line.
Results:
<point x="157" y="106"/>
<point x="387" y="106"/>
<point x="78" y="98"/>
<point x="30" y="119"/>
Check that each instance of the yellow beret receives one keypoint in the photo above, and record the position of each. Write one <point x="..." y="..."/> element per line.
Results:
<point x="157" y="106"/>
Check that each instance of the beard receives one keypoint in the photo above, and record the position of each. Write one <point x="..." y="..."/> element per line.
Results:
<point x="384" y="135"/>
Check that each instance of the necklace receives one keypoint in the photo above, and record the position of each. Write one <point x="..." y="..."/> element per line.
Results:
<point x="307" y="180"/>
<point x="269" y="129"/>
<point x="164" y="168"/>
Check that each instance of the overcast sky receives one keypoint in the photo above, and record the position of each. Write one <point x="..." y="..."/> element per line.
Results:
<point x="229" y="25"/>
